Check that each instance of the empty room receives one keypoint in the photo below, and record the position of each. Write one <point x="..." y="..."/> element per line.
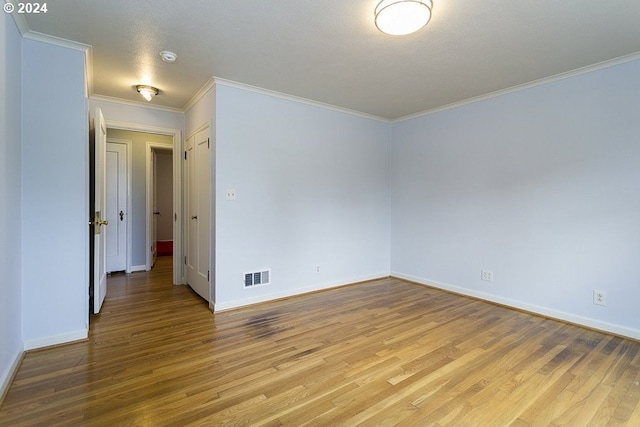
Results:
<point x="323" y="213"/>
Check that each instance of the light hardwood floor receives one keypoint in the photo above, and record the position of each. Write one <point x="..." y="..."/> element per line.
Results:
<point x="385" y="352"/>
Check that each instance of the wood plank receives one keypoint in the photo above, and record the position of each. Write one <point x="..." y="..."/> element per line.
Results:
<point x="384" y="352"/>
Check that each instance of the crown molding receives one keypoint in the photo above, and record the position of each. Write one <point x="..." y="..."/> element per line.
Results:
<point x="268" y="92"/>
<point x="561" y="76"/>
<point x="45" y="38"/>
<point x="199" y="94"/>
<point x="136" y="104"/>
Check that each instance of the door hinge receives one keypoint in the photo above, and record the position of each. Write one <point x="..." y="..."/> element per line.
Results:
<point x="185" y="155"/>
<point x="185" y="260"/>
<point x="207" y="275"/>
<point x="175" y="216"/>
<point x="208" y="143"/>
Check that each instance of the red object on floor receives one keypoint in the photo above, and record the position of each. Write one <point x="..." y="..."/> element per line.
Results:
<point x="164" y="247"/>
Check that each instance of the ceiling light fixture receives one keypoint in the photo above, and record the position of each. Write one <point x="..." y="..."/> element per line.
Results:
<point x="168" y="56"/>
<point x="148" y="92"/>
<point x="401" y="17"/>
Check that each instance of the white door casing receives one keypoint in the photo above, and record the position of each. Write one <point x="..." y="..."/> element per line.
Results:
<point x="198" y="215"/>
<point x="99" y="223"/>
<point x="154" y="209"/>
<point x="117" y="212"/>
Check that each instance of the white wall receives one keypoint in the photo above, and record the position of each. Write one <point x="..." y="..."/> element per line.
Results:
<point x="312" y="189"/>
<point x="127" y="112"/>
<point x="10" y="200"/>
<point x="54" y="195"/>
<point x="541" y="186"/>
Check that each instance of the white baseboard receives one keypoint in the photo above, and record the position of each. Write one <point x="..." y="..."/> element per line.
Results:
<point x="56" y="339"/>
<point x="543" y="311"/>
<point x="135" y="268"/>
<point x="9" y="373"/>
<point x="228" y="305"/>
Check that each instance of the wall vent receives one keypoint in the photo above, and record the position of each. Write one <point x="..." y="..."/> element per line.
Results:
<point x="257" y="278"/>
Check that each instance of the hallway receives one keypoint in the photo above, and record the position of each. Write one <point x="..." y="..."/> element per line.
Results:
<point x="142" y="331"/>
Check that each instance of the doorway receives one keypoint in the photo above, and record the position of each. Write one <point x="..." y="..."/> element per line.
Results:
<point x="159" y="206"/>
<point x="141" y="139"/>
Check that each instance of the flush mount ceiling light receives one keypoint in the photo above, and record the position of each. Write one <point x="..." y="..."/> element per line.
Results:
<point x="168" y="56"/>
<point x="401" y="17"/>
<point x="148" y="92"/>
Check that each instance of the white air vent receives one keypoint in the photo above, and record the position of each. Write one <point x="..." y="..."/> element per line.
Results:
<point x="257" y="278"/>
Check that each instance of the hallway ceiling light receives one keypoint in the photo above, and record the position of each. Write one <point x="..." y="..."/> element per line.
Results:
<point x="148" y="92"/>
<point x="401" y="17"/>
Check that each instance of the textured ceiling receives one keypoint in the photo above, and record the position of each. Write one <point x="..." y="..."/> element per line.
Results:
<point x="330" y="51"/>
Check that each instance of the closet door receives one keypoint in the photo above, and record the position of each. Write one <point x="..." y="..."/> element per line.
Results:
<point x="198" y="213"/>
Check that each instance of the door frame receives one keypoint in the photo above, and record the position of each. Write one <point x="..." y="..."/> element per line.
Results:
<point x="128" y="144"/>
<point x="176" y="134"/>
<point x="151" y="146"/>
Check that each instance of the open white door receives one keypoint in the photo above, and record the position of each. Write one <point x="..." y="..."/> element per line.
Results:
<point x="100" y="252"/>
<point x="198" y="213"/>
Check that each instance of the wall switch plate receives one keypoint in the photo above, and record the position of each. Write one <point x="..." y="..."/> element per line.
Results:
<point x="230" y="194"/>
<point x="599" y="297"/>
<point x="487" y="275"/>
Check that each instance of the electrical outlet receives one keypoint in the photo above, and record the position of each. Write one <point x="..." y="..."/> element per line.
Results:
<point x="317" y="269"/>
<point x="599" y="297"/>
<point x="487" y="276"/>
<point x="230" y="194"/>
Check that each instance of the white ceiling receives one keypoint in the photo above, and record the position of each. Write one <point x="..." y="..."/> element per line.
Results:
<point x="331" y="52"/>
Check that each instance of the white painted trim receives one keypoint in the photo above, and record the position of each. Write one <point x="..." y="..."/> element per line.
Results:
<point x="9" y="374"/>
<point x="199" y="94"/>
<point x="150" y="146"/>
<point x="524" y="86"/>
<point x="135" y="104"/>
<point x="21" y="23"/>
<point x="178" y="249"/>
<point x="56" y="339"/>
<point x="88" y="71"/>
<point x="228" y="305"/>
<point x="179" y="275"/>
<point x="255" y="89"/>
<point x="202" y="127"/>
<point x="46" y="38"/>
<point x="135" y="268"/>
<point x="543" y="311"/>
<point x="135" y="127"/>
<point x="128" y="143"/>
